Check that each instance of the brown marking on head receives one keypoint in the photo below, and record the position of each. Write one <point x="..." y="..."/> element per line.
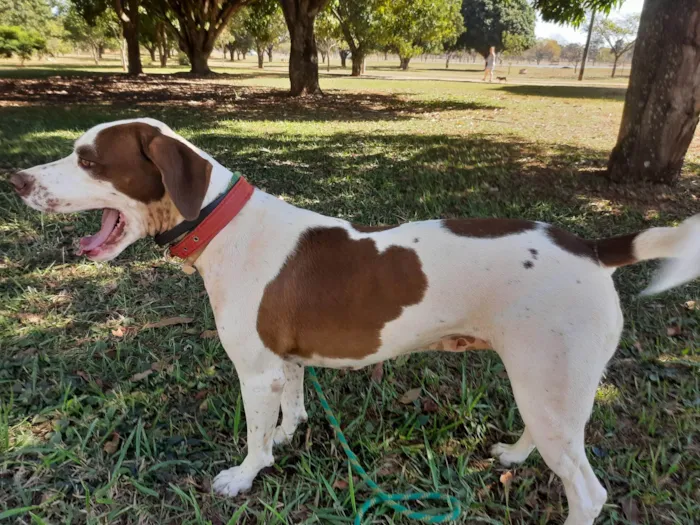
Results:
<point x="334" y="295"/>
<point x="488" y="228"/>
<point x="143" y="163"/>
<point x="370" y="229"/>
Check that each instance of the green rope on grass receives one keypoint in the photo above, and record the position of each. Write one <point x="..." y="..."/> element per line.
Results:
<point x="383" y="497"/>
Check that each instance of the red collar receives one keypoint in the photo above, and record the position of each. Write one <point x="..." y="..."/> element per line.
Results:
<point x="206" y="230"/>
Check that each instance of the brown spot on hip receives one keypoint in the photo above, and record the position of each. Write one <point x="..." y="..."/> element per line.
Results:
<point x="488" y="228"/>
<point x="334" y="295"/>
<point x="460" y="343"/>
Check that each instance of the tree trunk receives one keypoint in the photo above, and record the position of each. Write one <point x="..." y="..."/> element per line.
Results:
<point x="343" y="57"/>
<point x="303" y="55"/>
<point x="614" y="67"/>
<point x="128" y="13"/>
<point x="152" y="52"/>
<point x="100" y="51"/>
<point x="662" y="105"/>
<point x="358" y="64"/>
<point x="323" y="57"/>
<point x="588" y="46"/>
<point x="123" y="52"/>
<point x="404" y="62"/>
<point x="96" y="54"/>
<point x="261" y="57"/>
<point x="269" y="53"/>
<point x="447" y="61"/>
<point x="199" y="62"/>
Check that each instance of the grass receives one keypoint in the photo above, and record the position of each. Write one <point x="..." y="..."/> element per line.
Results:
<point x="87" y="437"/>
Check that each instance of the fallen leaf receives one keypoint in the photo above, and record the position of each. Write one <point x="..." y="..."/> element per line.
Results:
<point x="673" y="331"/>
<point x="209" y="334"/>
<point x="340" y="484"/>
<point x="690" y="305"/>
<point x="112" y="445"/>
<point x="631" y="510"/>
<point x="378" y="372"/>
<point x="141" y="375"/>
<point x="430" y="406"/>
<point x="83" y="375"/>
<point x="410" y="396"/>
<point x="201" y="395"/>
<point x="506" y="479"/>
<point x="118" y="332"/>
<point x="169" y="322"/>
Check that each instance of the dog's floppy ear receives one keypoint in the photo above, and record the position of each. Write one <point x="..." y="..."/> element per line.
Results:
<point x="185" y="173"/>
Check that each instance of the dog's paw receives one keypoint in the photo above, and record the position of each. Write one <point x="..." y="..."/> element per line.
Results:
<point x="281" y="437"/>
<point x="232" y="482"/>
<point x="508" y="455"/>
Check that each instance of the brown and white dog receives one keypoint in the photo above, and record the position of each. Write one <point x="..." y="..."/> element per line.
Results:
<point x="291" y="288"/>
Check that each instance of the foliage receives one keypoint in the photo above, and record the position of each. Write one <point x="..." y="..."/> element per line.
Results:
<point x="238" y="38"/>
<point x="573" y="53"/>
<point x="514" y="45"/>
<point x="360" y="23"/>
<point x="414" y="27"/>
<point x="90" y="30"/>
<point x="327" y="31"/>
<point x="20" y="42"/>
<point x="545" y="49"/>
<point x="265" y="23"/>
<point x="619" y="34"/>
<point x="573" y="11"/>
<point x="488" y="21"/>
<point x="32" y="15"/>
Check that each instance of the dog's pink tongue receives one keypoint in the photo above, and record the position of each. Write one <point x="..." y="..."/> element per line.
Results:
<point x="109" y="220"/>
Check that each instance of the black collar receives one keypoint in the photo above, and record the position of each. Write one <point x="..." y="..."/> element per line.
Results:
<point x="184" y="227"/>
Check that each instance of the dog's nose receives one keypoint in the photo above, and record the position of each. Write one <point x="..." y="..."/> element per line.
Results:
<point x="22" y="183"/>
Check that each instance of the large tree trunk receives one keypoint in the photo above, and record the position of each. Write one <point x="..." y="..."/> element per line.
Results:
<point x="199" y="61"/>
<point x="128" y="13"/>
<point x="261" y="57"/>
<point x="404" y="63"/>
<point x="662" y="106"/>
<point x="358" y="63"/>
<point x="588" y="46"/>
<point x="303" y="55"/>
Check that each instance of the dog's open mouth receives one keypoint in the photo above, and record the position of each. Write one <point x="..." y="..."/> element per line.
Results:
<point x="110" y="233"/>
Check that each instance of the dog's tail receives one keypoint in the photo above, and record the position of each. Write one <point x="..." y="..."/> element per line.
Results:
<point x="680" y="246"/>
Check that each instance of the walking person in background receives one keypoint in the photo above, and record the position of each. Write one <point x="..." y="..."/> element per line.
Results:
<point x="490" y="64"/>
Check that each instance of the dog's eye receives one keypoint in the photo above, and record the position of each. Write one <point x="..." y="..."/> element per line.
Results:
<point x="87" y="164"/>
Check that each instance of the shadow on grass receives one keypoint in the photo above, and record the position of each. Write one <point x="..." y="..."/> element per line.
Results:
<point x="615" y="93"/>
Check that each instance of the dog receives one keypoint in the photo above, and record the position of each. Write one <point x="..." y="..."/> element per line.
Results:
<point x="291" y="288"/>
<point x="502" y="79"/>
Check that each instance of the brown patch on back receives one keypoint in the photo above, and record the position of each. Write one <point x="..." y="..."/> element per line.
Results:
<point x="572" y="243"/>
<point x="334" y="295"/>
<point x="460" y="343"/>
<point x="616" y="251"/>
<point x="370" y="229"/>
<point x="488" y="228"/>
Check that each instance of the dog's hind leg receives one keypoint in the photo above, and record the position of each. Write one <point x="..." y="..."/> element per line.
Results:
<point x="293" y="411"/>
<point x="261" y="387"/>
<point x="514" y="454"/>
<point x="554" y="382"/>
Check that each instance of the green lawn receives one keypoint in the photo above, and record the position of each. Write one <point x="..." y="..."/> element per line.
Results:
<point x="86" y="436"/>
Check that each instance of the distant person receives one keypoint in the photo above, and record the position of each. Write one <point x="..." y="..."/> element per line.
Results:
<point x="490" y="64"/>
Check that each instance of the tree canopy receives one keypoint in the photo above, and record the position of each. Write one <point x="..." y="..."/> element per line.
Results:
<point x="488" y="22"/>
<point x="18" y="41"/>
<point x="573" y="11"/>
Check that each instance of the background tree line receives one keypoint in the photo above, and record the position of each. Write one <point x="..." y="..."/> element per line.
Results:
<point x="662" y="103"/>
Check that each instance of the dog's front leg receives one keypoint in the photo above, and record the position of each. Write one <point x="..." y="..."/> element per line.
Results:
<point x="262" y="391"/>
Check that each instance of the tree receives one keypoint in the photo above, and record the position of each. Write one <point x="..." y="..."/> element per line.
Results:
<point x="361" y="27"/>
<point x="328" y="36"/>
<point x="513" y="47"/>
<point x="662" y="104"/>
<point x="128" y="14"/>
<point x="265" y="25"/>
<point x="94" y="35"/>
<point x="149" y="33"/>
<point x="546" y="49"/>
<point x="300" y="16"/>
<point x="415" y="27"/>
<point x="487" y="21"/>
<point x="197" y="26"/>
<point x="587" y="49"/>
<point x="572" y="53"/>
<point x="620" y="35"/>
<point x="31" y="15"/>
<point x="20" y="42"/>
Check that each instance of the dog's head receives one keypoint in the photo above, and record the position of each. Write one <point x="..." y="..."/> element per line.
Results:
<point x="142" y="175"/>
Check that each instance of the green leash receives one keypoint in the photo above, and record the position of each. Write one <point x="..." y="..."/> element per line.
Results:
<point x="383" y="497"/>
